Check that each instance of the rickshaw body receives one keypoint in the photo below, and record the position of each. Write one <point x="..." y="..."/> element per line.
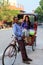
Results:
<point x="33" y="19"/>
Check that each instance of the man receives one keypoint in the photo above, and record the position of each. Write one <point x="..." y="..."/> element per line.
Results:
<point x="18" y="34"/>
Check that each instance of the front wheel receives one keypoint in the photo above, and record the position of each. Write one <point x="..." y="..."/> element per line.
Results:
<point x="9" y="55"/>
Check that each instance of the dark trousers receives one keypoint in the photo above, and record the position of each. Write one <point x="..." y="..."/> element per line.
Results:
<point x="22" y="49"/>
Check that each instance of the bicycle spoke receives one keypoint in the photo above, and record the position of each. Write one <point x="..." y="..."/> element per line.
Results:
<point x="9" y="55"/>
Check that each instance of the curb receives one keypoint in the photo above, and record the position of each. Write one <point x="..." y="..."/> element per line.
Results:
<point x="6" y="29"/>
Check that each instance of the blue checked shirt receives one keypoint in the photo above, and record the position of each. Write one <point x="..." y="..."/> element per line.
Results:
<point x="17" y="31"/>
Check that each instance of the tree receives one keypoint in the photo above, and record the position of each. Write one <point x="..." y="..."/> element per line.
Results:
<point x="41" y="4"/>
<point x="5" y="13"/>
<point x="39" y="10"/>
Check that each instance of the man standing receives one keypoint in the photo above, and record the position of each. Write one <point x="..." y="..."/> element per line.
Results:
<point x="18" y="34"/>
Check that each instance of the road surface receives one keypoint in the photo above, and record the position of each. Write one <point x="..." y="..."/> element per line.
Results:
<point x="37" y="55"/>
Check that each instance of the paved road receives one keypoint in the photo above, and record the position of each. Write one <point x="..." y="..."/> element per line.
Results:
<point x="37" y="55"/>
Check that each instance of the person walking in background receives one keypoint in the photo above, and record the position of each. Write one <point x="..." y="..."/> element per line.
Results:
<point x="18" y="34"/>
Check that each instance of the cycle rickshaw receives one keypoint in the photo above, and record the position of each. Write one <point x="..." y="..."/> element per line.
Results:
<point x="33" y="19"/>
<point x="13" y="46"/>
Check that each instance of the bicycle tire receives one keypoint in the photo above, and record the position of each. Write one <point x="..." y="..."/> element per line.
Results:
<point x="3" y="57"/>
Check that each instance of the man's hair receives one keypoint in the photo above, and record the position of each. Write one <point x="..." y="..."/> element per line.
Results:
<point x="14" y="17"/>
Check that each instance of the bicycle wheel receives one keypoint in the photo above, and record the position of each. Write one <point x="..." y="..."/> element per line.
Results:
<point x="9" y="55"/>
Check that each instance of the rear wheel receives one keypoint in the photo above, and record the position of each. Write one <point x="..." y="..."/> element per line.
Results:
<point x="9" y="55"/>
<point x="33" y="46"/>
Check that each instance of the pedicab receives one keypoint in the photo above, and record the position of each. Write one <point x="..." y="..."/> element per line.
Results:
<point x="31" y="39"/>
<point x="10" y="52"/>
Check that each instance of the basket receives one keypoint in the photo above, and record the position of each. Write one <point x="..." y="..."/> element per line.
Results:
<point x="29" y="40"/>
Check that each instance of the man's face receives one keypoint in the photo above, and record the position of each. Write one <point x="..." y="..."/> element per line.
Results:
<point x="16" y="20"/>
